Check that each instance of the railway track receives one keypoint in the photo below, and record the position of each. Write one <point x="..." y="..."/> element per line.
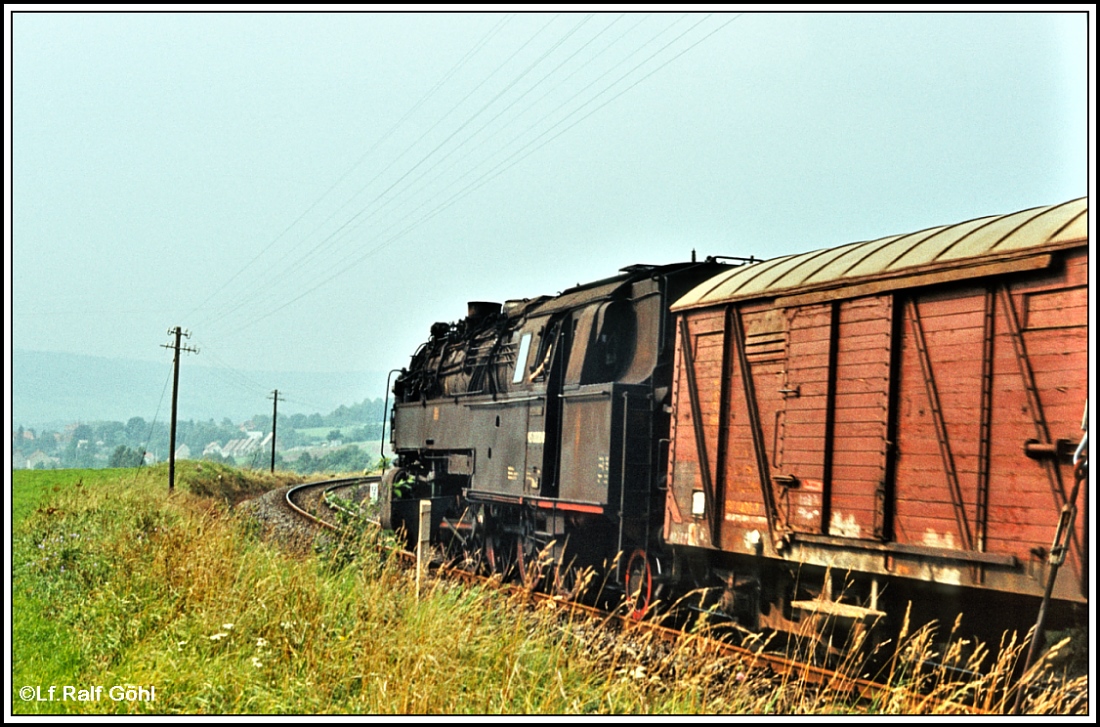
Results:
<point x="314" y="502"/>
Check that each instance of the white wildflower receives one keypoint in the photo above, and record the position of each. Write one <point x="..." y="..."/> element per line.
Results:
<point x="256" y="662"/>
<point x="261" y="642"/>
<point x="227" y="627"/>
<point x="218" y="636"/>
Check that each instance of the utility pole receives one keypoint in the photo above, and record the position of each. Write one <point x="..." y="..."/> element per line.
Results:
<point x="178" y="332"/>
<point x="274" y="416"/>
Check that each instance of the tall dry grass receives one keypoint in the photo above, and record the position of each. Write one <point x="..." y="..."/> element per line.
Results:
<point x="183" y="593"/>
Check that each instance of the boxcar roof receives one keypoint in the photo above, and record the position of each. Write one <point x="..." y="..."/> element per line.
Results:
<point x="985" y="246"/>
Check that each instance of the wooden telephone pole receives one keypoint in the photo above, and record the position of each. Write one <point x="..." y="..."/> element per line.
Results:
<point x="178" y="332"/>
<point x="274" y="415"/>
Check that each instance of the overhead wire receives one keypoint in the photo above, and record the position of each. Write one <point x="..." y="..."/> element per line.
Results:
<point x="439" y="84"/>
<point x="515" y="138"/>
<point x="152" y="424"/>
<point x="354" y="221"/>
<point x="528" y="149"/>
<point x="231" y="375"/>
<point x="244" y="382"/>
<point x="264" y="282"/>
<point x="343" y="266"/>
<point x="532" y="104"/>
<point x="427" y="170"/>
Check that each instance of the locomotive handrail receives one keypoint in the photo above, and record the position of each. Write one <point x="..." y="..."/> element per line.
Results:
<point x="386" y="414"/>
<point x="585" y="394"/>
<point x="497" y="402"/>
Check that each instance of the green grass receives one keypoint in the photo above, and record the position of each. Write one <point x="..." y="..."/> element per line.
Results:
<point x="32" y="487"/>
<point x="45" y="652"/>
<point x="117" y="582"/>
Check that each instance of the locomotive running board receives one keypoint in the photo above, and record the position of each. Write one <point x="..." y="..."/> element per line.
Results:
<point x="545" y="503"/>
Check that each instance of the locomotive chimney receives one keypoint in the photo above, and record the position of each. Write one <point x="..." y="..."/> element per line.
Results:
<point x="478" y="309"/>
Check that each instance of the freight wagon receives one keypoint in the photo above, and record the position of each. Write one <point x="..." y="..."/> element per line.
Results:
<point x="900" y="411"/>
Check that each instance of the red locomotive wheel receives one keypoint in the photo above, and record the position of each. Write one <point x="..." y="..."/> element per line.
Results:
<point x="491" y="553"/>
<point x="526" y="578"/>
<point x="639" y="584"/>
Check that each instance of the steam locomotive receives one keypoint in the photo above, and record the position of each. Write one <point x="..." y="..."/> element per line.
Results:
<point x="822" y="435"/>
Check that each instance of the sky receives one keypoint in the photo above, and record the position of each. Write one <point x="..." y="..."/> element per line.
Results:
<point x="311" y="191"/>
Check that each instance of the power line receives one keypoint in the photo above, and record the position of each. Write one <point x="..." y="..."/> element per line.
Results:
<point x="343" y="266"/>
<point x="408" y="114"/>
<point x="153" y="423"/>
<point x="417" y="178"/>
<point x="377" y="201"/>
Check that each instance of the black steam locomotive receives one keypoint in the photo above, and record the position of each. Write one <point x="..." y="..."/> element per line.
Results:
<point x="539" y="429"/>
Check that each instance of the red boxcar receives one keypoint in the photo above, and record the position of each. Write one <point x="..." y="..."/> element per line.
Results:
<point x="899" y="407"/>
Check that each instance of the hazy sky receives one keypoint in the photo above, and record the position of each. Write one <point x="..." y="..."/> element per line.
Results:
<point x="312" y="191"/>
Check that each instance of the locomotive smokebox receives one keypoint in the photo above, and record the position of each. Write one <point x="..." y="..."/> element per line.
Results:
<point x="478" y="309"/>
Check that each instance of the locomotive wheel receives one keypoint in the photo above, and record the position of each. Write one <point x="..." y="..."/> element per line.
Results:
<point x="527" y="566"/>
<point x="639" y="584"/>
<point x="468" y="549"/>
<point x="568" y="581"/>
<point x="502" y="555"/>
<point x="492" y="559"/>
<point x="521" y="562"/>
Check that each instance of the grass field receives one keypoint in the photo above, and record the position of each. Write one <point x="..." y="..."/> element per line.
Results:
<point x="31" y="487"/>
<point x="115" y="582"/>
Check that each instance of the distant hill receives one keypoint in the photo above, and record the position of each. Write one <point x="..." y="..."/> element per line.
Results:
<point x="52" y="389"/>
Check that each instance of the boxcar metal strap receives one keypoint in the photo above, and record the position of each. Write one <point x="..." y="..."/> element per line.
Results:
<point x="754" y="420"/>
<point x="697" y="426"/>
<point x="946" y="454"/>
<point x="1035" y="404"/>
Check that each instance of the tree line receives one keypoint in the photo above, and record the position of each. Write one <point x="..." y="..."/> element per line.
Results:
<point x="118" y="444"/>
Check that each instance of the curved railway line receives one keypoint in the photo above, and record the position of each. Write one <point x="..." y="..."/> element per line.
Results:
<point x="307" y="499"/>
<point x="313" y="502"/>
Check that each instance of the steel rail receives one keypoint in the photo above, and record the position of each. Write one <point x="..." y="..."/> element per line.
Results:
<point x="328" y="485"/>
<point x="862" y="689"/>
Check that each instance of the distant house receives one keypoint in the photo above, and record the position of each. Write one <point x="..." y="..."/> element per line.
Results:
<point x="242" y="447"/>
<point x="42" y="458"/>
<point x="183" y="452"/>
